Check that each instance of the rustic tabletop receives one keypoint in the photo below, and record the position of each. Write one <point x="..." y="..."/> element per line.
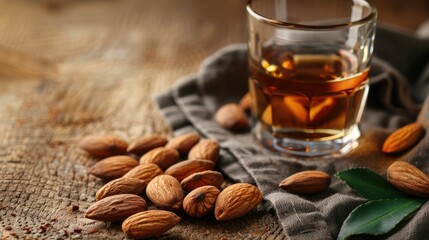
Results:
<point x="71" y="68"/>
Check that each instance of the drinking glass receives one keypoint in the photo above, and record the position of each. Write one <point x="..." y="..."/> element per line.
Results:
<point x="308" y="72"/>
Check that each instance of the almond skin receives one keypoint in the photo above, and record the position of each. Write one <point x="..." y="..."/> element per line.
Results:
<point x="121" y="186"/>
<point x="149" y="223"/>
<point x="146" y="143"/>
<point x="184" y="143"/>
<point x="165" y="192"/>
<point x="145" y="172"/>
<point x="230" y="116"/>
<point x="306" y="182"/>
<point x="237" y="200"/>
<point x="163" y="157"/>
<point x="207" y="149"/>
<point x="116" y="208"/>
<point x="183" y="169"/>
<point x="409" y="179"/>
<point x="204" y="178"/>
<point x="200" y="201"/>
<point x="246" y="102"/>
<point x="113" y="167"/>
<point x="103" y="145"/>
<point x="403" y="138"/>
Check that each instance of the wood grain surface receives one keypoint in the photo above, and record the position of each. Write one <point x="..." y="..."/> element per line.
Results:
<point x="71" y="68"/>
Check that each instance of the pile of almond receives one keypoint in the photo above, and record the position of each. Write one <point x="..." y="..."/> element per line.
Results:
<point x="172" y="184"/>
<point x="162" y="178"/>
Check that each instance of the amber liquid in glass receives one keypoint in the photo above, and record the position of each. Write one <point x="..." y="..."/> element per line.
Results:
<point x="306" y="94"/>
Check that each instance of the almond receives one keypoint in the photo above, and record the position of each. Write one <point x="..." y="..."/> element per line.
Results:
<point x="103" y="145"/>
<point x="113" y="167"/>
<point x="184" y="143"/>
<point x="121" y="186"/>
<point x="163" y="157"/>
<point x="149" y="223"/>
<point x="146" y="143"/>
<point x="144" y="171"/>
<point x="237" y="200"/>
<point x="206" y="149"/>
<point x="183" y="169"/>
<point x="200" y="201"/>
<point x="246" y="102"/>
<point x="409" y="179"/>
<point x="231" y="117"/>
<point x="403" y="138"/>
<point x="306" y="182"/>
<point x="199" y="179"/>
<point x="165" y="192"/>
<point x="116" y="208"/>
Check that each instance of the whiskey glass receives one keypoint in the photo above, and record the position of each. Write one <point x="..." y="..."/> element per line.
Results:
<point x="308" y="72"/>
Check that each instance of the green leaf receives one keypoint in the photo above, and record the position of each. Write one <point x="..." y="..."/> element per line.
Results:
<point x="369" y="184"/>
<point x="378" y="217"/>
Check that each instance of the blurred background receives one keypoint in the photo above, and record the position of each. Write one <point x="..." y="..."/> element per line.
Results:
<point x="404" y="14"/>
<point x="171" y="35"/>
<point x="135" y="47"/>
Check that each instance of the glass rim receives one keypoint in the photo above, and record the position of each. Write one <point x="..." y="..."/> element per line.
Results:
<point x="291" y="25"/>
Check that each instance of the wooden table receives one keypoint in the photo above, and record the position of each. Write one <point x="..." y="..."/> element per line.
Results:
<point x="72" y="68"/>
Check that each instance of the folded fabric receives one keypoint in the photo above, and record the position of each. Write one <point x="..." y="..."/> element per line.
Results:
<point x="399" y="82"/>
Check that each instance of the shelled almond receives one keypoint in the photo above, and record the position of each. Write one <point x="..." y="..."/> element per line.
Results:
<point x="230" y="116"/>
<point x="116" y="208"/>
<point x="149" y="223"/>
<point x="204" y="178"/>
<point x="146" y="143"/>
<point x="409" y="179"/>
<point x="403" y="138"/>
<point x="113" y="167"/>
<point x="103" y="145"/>
<point x="184" y="143"/>
<point x="237" y="200"/>
<point x="121" y="186"/>
<point x="306" y="182"/>
<point x="200" y="201"/>
<point x="183" y="169"/>
<point x="161" y="156"/>
<point x="144" y="171"/>
<point x="165" y="192"/>
<point x="207" y="149"/>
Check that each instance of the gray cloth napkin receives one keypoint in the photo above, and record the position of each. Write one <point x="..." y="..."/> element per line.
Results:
<point x="399" y="85"/>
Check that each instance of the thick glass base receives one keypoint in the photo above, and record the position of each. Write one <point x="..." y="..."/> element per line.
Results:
<point x="303" y="148"/>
